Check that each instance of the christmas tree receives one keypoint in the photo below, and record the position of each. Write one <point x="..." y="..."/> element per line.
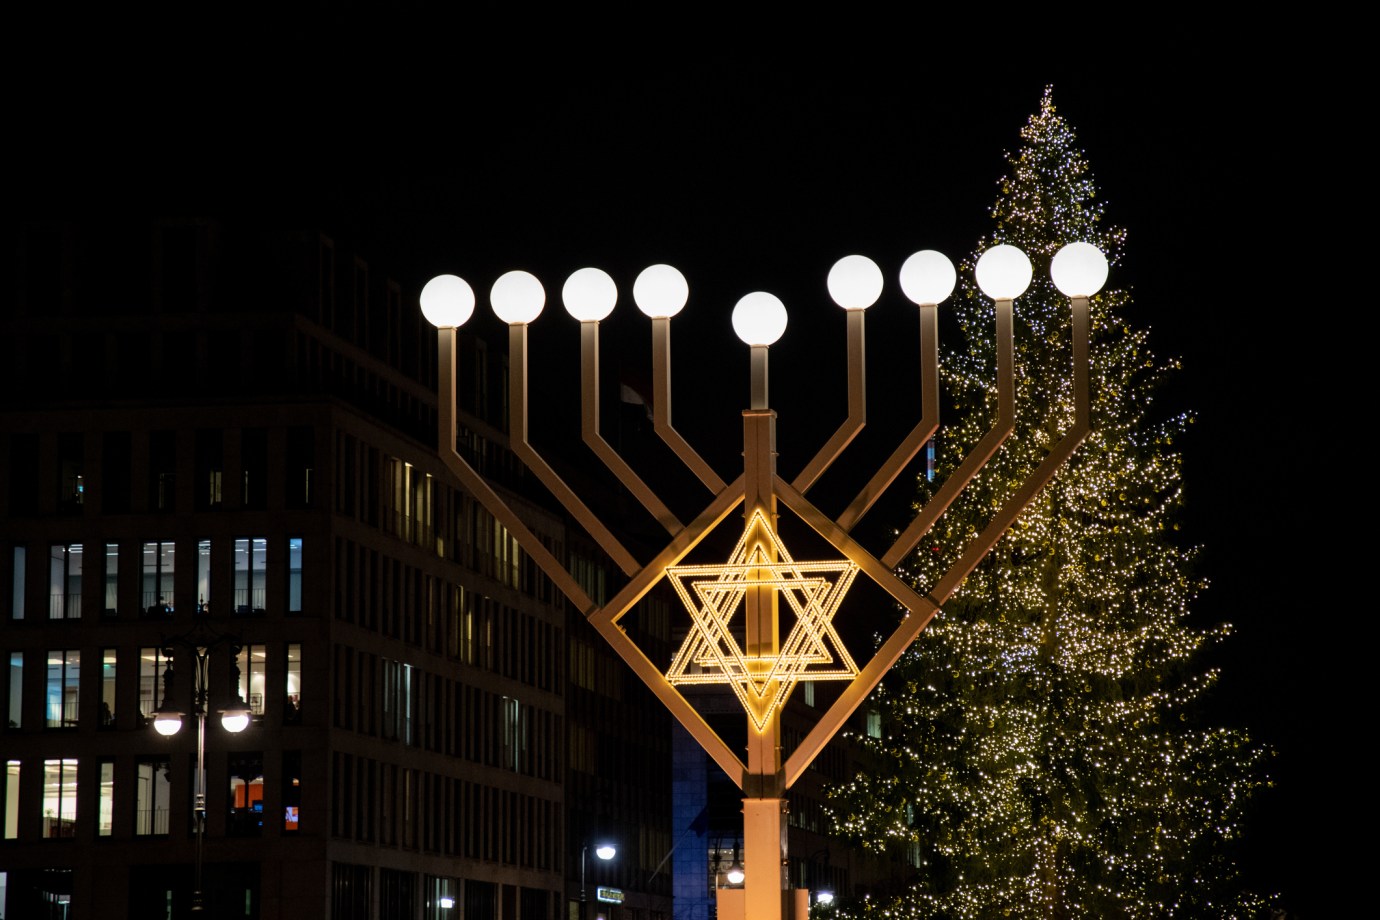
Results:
<point x="1041" y="754"/>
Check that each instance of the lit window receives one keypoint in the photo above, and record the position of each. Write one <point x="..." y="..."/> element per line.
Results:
<point x="294" y="576"/>
<point x="16" y="701"/>
<point x="112" y="579"/>
<point x="105" y="812"/>
<point x="59" y="798"/>
<point x="251" y="662"/>
<point x="151" y="798"/>
<point x="159" y="563"/>
<point x="203" y="577"/>
<point x="64" y="671"/>
<point x="17" y="595"/>
<point x="64" y="582"/>
<point x="107" y="688"/>
<point x="11" y="800"/>
<point x="292" y="712"/>
<point x="153" y="661"/>
<point x="250" y="579"/>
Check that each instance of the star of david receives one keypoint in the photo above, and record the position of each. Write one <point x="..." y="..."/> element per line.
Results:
<point x="713" y="593"/>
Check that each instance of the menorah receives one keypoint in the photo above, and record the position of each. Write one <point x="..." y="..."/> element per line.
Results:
<point x="764" y="668"/>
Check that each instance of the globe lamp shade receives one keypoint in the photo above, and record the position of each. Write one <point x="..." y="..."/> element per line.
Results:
<point x="1079" y="270"/>
<point x="928" y="277"/>
<point x="855" y="282"/>
<point x="447" y="301"/>
<point x="759" y="318"/>
<point x="235" y="719"/>
<point x="167" y="723"/>
<point x="517" y="297"/>
<point x="660" y="291"/>
<point x="589" y="294"/>
<point x="1003" y="272"/>
<point x="606" y="851"/>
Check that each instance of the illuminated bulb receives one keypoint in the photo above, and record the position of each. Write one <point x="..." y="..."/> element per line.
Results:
<point x="447" y="301"/>
<point x="928" y="277"/>
<point x="1003" y="272"/>
<point x="605" y="851"/>
<point x="167" y="723"/>
<point x="517" y="297"/>
<point x="1079" y="270"/>
<point x="855" y="282"/>
<point x="660" y="291"/>
<point x="235" y="719"/>
<point x="589" y="294"/>
<point x="759" y="318"/>
<point x="445" y="903"/>
<point x="735" y="874"/>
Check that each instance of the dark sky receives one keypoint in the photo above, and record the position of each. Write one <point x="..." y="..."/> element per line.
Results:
<point x="754" y="174"/>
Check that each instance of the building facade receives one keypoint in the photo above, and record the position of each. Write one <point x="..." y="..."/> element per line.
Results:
<point x="223" y="439"/>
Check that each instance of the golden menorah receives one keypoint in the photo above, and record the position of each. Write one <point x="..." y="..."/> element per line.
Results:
<point x="763" y="668"/>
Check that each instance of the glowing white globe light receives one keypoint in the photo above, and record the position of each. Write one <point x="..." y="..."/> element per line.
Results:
<point x="605" y="851"/>
<point x="517" y="297"/>
<point x="447" y="300"/>
<point x="660" y="291"/>
<point x="855" y="282"/>
<point x="1079" y="270"/>
<point x="736" y="875"/>
<point x="589" y="294"/>
<point x="759" y="318"/>
<point x="928" y="277"/>
<point x="824" y="897"/>
<point x="167" y="723"/>
<point x="235" y="720"/>
<point x="1003" y="272"/>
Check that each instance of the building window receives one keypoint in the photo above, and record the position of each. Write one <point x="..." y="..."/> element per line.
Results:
<point x="151" y="798"/>
<point x="12" y="800"/>
<point x="64" y="582"/>
<point x="292" y="711"/>
<point x="292" y="791"/>
<point x="64" y="671"/>
<point x="254" y="460"/>
<point x="294" y="576"/>
<point x="153" y="661"/>
<point x="301" y="461"/>
<point x="111" y="607"/>
<point x="159" y="562"/>
<point x="162" y="470"/>
<point x="874" y="725"/>
<point x="246" y="790"/>
<point x="210" y="468"/>
<point x="17" y="594"/>
<point x="251" y="662"/>
<point x="203" y="577"/>
<point x="71" y="482"/>
<point x="250" y="579"/>
<point x="59" y="798"/>
<point x="108" y="661"/>
<point x="16" y="700"/>
<point x="441" y="897"/>
<point x="105" y="801"/>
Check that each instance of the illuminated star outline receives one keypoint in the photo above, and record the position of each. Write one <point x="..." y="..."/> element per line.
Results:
<point x="814" y="591"/>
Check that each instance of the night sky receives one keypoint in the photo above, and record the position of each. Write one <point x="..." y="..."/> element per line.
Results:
<point x="760" y="175"/>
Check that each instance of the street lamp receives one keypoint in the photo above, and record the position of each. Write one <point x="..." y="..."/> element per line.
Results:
<point x="167" y="721"/>
<point x="735" y="639"/>
<point x="604" y="851"/>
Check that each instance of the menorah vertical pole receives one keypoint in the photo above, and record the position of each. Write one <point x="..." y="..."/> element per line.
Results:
<point x="764" y="804"/>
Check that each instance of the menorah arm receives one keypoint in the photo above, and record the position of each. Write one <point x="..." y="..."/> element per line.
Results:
<point x="857" y="407"/>
<point x="517" y="436"/>
<point x="589" y="430"/>
<point x="920" y="611"/>
<point x="980" y="454"/>
<point x="661" y="407"/>
<point x="672" y="699"/>
<point x="1058" y="455"/>
<point x="477" y="486"/>
<point x="922" y="432"/>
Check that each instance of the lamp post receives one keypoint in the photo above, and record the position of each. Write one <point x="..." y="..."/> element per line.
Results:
<point x="604" y="851"/>
<point x="168" y="721"/>
<point x="735" y="636"/>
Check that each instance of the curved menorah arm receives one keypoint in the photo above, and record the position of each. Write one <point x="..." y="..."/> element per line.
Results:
<point x="1058" y="455"/>
<point x="589" y="430"/>
<point x="517" y="437"/>
<point x="979" y="455"/>
<point x="920" y="611"/>
<point x="661" y="406"/>
<point x="477" y="486"/>
<point x="922" y="432"/>
<point x="857" y="407"/>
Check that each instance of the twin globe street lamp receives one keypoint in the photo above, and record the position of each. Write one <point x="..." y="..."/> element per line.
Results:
<point x="735" y="635"/>
<point x="167" y="721"/>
